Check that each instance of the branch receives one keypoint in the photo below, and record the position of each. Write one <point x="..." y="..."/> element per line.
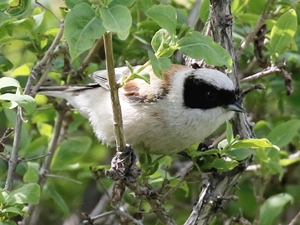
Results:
<point x="98" y="44"/>
<point x="253" y="35"/>
<point x="44" y="170"/>
<point x="219" y="186"/>
<point x="62" y="177"/>
<point x="295" y="219"/>
<point x="115" y="211"/>
<point x="36" y="70"/>
<point x="13" y="161"/>
<point x="270" y="70"/>
<point x="117" y="113"/>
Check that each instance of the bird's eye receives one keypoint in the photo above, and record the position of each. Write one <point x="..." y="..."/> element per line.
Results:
<point x="211" y="95"/>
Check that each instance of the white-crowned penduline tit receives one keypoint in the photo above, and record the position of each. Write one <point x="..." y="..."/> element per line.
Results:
<point x="163" y="117"/>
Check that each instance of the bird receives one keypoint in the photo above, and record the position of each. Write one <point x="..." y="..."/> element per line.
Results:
<point x="163" y="117"/>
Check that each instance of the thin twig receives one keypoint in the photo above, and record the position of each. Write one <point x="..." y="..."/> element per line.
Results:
<point x="98" y="44"/>
<point x="115" y="211"/>
<point x="122" y="213"/>
<point x="102" y="202"/>
<point x="13" y="161"/>
<point x="47" y="70"/>
<point x="36" y="70"/>
<point x="15" y="150"/>
<point x="92" y="219"/>
<point x="117" y="113"/>
<point x="251" y="36"/>
<point x="181" y="182"/>
<point x="265" y="72"/>
<point x="295" y="219"/>
<point x="46" y="165"/>
<point x="62" y="177"/>
<point x="46" y="9"/>
<point x="34" y="158"/>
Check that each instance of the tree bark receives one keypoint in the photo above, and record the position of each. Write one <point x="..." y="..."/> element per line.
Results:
<point x="219" y="187"/>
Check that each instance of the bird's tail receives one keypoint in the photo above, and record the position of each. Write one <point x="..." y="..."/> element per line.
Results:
<point x="64" y="91"/>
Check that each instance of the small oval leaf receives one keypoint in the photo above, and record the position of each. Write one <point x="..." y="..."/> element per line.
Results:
<point x="199" y="46"/>
<point x="82" y="28"/>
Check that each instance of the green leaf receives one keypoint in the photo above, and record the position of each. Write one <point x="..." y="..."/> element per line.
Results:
<point x="223" y="165"/>
<point x="8" y="223"/>
<point x="229" y="132"/>
<point x="43" y="116"/>
<point x="208" y="152"/>
<point x="45" y="129"/>
<point x="248" y="18"/>
<point x="284" y="133"/>
<point x="159" y="65"/>
<point x="9" y="82"/>
<point x="2" y="199"/>
<point x="199" y="46"/>
<point x="272" y="208"/>
<point x="13" y="210"/>
<point x="260" y="154"/>
<point x="286" y="162"/>
<point x="165" y="16"/>
<point x="161" y="36"/>
<point x="19" y="9"/>
<point x="71" y="151"/>
<point x="142" y="75"/>
<point x="5" y="64"/>
<point x="204" y="11"/>
<point x="4" y="5"/>
<point x="144" y="4"/>
<point x="32" y="173"/>
<point x="223" y="144"/>
<point x="127" y="3"/>
<point x="60" y="202"/>
<point x="275" y="168"/>
<point x="283" y="32"/>
<point x="253" y="143"/>
<point x="261" y="129"/>
<point x="117" y="19"/>
<point x="28" y="193"/>
<point x="239" y="154"/>
<point x="82" y="27"/>
<point x="26" y="101"/>
<point x="71" y="3"/>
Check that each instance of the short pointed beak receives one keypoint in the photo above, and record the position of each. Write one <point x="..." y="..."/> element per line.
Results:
<point x="236" y="106"/>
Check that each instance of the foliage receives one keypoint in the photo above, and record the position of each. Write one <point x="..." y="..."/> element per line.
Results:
<point x="144" y="32"/>
<point x="12" y="203"/>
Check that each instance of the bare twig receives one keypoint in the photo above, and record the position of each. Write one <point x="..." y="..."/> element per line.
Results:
<point x="98" y="44"/>
<point x="36" y="70"/>
<point x="115" y="211"/>
<point x="295" y="219"/>
<point x="62" y="177"/>
<point x="117" y="113"/>
<point x="48" y="69"/>
<point x="13" y="161"/>
<point x="92" y="219"/>
<point x="44" y="170"/>
<point x="181" y="182"/>
<point x="102" y="202"/>
<point x="146" y="192"/>
<point x="46" y="9"/>
<point x="270" y="70"/>
<point x="122" y="213"/>
<point x="252" y="88"/>
<point x="252" y="36"/>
